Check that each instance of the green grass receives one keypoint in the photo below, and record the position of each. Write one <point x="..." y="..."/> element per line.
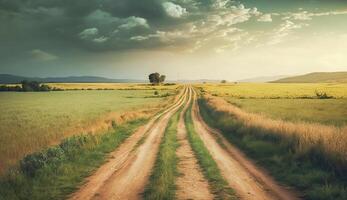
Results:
<point x="34" y="120"/>
<point x="276" y="90"/>
<point x="217" y="183"/>
<point x="324" y="111"/>
<point x="57" y="171"/>
<point x="307" y="172"/>
<point x="162" y="181"/>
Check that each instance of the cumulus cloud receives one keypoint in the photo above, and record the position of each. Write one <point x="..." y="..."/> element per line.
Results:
<point x="265" y="18"/>
<point x="174" y="10"/>
<point x="88" y="33"/>
<point x="132" y="22"/>
<point x="40" y="55"/>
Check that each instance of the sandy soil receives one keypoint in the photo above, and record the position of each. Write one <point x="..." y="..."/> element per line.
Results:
<point x="248" y="181"/>
<point x="125" y="174"/>
<point x="191" y="183"/>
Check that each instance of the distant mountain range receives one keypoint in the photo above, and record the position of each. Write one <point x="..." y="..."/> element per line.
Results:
<point x="316" y="77"/>
<point x="11" y="79"/>
<point x="262" y="79"/>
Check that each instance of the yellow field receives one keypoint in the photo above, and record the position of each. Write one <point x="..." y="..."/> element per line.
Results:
<point x="276" y="90"/>
<point x="30" y="121"/>
<point x="114" y="86"/>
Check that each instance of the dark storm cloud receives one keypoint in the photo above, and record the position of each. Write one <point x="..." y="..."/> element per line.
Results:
<point x="101" y="25"/>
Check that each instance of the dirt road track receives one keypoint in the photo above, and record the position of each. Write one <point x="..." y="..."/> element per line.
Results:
<point x="125" y="174"/>
<point x="191" y="183"/>
<point x="243" y="176"/>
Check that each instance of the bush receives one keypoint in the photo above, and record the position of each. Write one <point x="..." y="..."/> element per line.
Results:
<point x="33" y="162"/>
<point x="323" y="95"/>
<point x="156" y="93"/>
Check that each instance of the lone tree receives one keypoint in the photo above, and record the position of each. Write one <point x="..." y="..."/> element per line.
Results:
<point x="156" y="78"/>
<point x="34" y="86"/>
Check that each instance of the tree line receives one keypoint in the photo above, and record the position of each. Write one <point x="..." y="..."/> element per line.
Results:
<point x="28" y="86"/>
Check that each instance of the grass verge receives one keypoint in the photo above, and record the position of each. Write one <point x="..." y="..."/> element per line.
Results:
<point x="217" y="183"/>
<point x="162" y="181"/>
<point x="304" y="171"/>
<point x="58" y="171"/>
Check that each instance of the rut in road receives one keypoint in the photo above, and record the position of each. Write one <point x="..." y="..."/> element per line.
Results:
<point x="191" y="183"/>
<point x="248" y="181"/>
<point x="124" y="176"/>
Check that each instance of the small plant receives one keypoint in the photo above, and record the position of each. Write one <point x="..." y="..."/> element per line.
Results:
<point x="322" y="95"/>
<point x="114" y="124"/>
<point x="156" y="93"/>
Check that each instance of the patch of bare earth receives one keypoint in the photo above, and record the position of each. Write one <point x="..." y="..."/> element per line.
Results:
<point x="248" y="181"/>
<point x="191" y="183"/>
<point x="125" y="174"/>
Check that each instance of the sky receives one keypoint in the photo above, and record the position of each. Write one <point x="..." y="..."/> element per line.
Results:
<point x="183" y="39"/>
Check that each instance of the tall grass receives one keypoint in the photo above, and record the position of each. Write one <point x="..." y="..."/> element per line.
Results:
<point x="217" y="183"/>
<point x="32" y="121"/>
<point x="57" y="171"/>
<point x="162" y="181"/>
<point x="311" y="157"/>
<point x="327" y="111"/>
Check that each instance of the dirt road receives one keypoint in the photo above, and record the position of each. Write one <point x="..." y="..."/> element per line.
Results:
<point x="125" y="174"/>
<point x="191" y="183"/>
<point x="243" y="176"/>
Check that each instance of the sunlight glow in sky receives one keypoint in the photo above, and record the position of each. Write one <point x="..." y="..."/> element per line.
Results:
<point x="185" y="39"/>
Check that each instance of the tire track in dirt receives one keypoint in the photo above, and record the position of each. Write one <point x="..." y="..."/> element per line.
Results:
<point x="191" y="183"/>
<point x="124" y="175"/>
<point x="248" y="181"/>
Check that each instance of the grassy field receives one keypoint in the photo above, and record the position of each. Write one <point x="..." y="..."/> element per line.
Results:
<point x="108" y="86"/>
<point x="310" y="157"/>
<point x="31" y="121"/>
<point x="114" y="86"/>
<point x="55" y="172"/>
<point x="289" y="102"/>
<point x="325" y="111"/>
<point x="276" y="90"/>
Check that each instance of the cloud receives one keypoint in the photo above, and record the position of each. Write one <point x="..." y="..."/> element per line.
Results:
<point x="101" y="39"/>
<point x="88" y="33"/>
<point x="265" y="18"/>
<point x="132" y="22"/>
<point x="40" y="55"/>
<point x="174" y="10"/>
<point x="305" y="15"/>
<point x="284" y="29"/>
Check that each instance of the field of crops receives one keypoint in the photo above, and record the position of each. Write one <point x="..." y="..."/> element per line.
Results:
<point x="325" y="111"/>
<point x="290" y="102"/>
<point x="114" y="86"/>
<point x="276" y="90"/>
<point x="33" y="120"/>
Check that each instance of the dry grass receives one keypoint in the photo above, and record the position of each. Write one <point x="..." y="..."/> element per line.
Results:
<point x="329" y="140"/>
<point x="275" y="90"/>
<point x="114" y="86"/>
<point x="32" y="121"/>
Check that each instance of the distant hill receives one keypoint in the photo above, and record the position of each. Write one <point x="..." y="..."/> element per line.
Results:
<point x="262" y="79"/>
<point x="10" y="79"/>
<point x="316" y="77"/>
